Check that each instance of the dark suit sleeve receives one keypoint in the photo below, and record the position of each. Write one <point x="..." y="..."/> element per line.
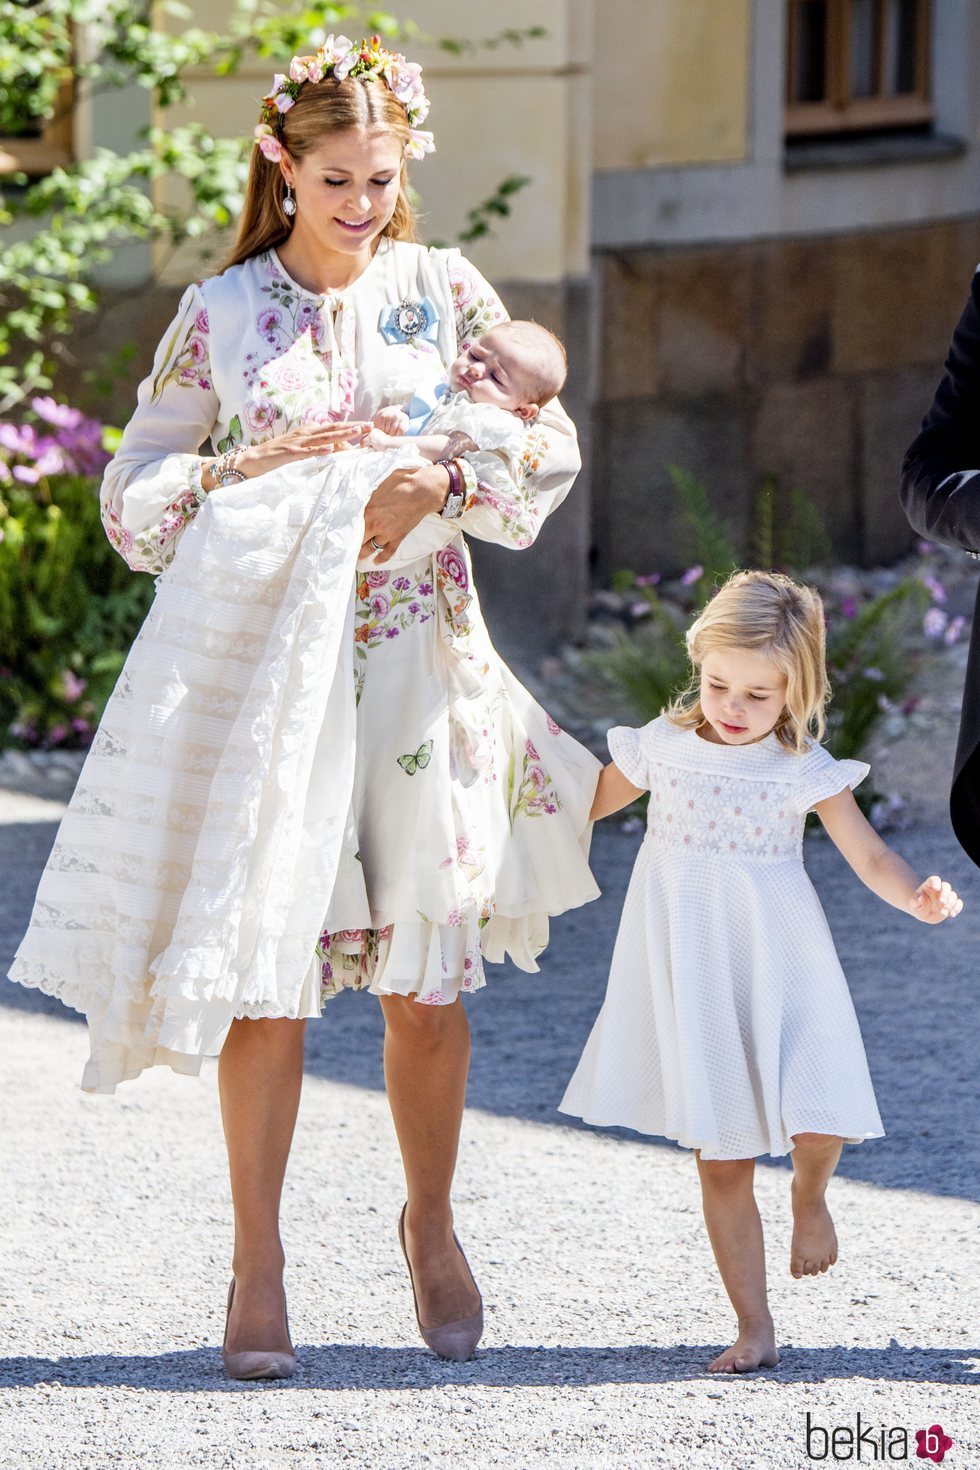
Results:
<point x="941" y="496"/>
<point x="941" y="471"/>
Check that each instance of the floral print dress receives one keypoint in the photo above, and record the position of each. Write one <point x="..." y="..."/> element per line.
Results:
<point x="468" y="825"/>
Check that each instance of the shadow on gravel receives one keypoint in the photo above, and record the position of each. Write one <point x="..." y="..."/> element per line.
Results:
<point x="911" y="985"/>
<point x="364" y="1366"/>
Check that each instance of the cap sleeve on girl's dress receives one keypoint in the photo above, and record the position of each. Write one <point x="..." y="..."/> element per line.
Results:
<point x="820" y="776"/>
<point x="627" y="748"/>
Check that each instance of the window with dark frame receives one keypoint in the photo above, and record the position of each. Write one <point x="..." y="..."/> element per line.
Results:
<point x="857" y="65"/>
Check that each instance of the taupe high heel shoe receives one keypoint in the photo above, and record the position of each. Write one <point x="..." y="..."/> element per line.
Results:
<point x="453" y="1340"/>
<point x="253" y="1364"/>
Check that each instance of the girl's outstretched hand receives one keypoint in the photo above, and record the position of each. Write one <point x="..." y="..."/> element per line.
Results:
<point x="934" y="901"/>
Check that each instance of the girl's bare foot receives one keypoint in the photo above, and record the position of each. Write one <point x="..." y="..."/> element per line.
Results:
<point x="814" y="1244"/>
<point x="755" y="1347"/>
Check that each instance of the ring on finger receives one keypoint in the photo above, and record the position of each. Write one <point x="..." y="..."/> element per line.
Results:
<point x="376" y="544"/>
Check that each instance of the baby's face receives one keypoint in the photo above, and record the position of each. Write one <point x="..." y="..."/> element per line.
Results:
<point x="492" y="370"/>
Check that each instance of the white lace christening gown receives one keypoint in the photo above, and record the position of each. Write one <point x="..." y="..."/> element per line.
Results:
<point x="727" y="1023"/>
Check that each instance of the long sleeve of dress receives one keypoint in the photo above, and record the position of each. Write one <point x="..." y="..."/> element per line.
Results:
<point x="941" y="472"/>
<point x="152" y="487"/>
<point x="511" y="501"/>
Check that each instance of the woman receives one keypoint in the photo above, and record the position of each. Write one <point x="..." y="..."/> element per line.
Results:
<point x="457" y="844"/>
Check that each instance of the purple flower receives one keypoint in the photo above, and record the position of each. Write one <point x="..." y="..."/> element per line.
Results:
<point x="57" y="735"/>
<point x="693" y="574"/>
<point x="640" y="609"/>
<point x="935" y="587"/>
<point x="425" y="589"/>
<point x="401" y="583"/>
<point x="649" y="581"/>
<point x="414" y="607"/>
<point x="58" y="414"/>
<point x="391" y="633"/>
<point x="849" y="607"/>
<point x="268" y="321"/>
<point x="450" y="561"/>
<point x="72" y="686"/>
<point x="954" y="630"/>
<point x="934" y="623"/>
<point x="80" y="726"/>
<point x="377" y="579"/>
<point x="380" y="605"/>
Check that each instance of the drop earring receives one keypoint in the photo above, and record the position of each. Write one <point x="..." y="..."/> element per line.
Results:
<point x="289" y="203"/>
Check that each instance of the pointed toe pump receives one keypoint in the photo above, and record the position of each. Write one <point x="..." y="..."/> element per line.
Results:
<point x="255" y="1364"/>
<point x="455" y="1341"/>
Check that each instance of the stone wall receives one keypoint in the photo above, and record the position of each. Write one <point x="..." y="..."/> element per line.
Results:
<point x="808" y="360"/>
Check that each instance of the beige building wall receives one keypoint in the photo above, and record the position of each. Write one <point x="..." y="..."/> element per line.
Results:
<point x="495" y="112"/>
<point x="671" y="82"/>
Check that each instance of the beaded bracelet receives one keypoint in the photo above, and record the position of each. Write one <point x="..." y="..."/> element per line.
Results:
<point x="225" y="470"/>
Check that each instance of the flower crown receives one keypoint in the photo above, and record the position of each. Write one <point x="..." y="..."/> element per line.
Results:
<point x="340" y="58"/>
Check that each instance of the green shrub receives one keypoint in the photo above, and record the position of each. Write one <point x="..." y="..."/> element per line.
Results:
<point x="69" y="609"/>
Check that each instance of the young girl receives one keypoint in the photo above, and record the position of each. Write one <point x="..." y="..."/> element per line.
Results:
<point x="727" y="1024"/>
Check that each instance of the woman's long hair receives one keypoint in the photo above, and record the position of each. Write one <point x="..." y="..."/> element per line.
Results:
<point x="358" y="104"/>
<point x="769" y="614"/>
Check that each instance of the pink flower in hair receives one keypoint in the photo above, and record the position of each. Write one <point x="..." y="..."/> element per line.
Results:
<point x="269" y="145"/>
<point x="283" y="101"/>
<point x="404" y="79"/>
<point x="299" y="68"/>
<point x="419" y="143"/>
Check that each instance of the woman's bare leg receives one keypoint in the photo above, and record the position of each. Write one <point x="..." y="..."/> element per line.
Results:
<point x="814" y="1247"/>
<point x="427" y="1056"/>
<point x="735" y="1231"/>
<point x="260" y="1074"/>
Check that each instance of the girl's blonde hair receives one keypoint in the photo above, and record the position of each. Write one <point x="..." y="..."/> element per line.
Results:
<point x="357" y="104"/>
<point x="783" y="621"/>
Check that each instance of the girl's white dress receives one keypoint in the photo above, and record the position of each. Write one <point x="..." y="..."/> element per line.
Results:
<point x="308" y="776"/>
<point x="727" y="1023"/>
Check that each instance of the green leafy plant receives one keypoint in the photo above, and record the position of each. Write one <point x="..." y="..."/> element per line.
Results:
<point x="69" y="609"/>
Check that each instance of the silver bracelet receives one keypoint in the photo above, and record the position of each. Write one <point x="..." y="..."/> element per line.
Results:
<point x="225" y="470"/>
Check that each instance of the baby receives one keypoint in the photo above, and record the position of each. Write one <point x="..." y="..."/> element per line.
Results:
<point x="517" y="367"/>
<point x="495" y="388"/>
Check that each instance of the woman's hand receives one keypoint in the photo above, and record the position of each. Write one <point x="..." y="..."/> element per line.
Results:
<point x="285" y="449"/>
<point x="397" y="506"/>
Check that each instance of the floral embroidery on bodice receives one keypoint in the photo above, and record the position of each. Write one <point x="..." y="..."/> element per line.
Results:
<point x="708" y="813"/>
<point x="729" y="801"/>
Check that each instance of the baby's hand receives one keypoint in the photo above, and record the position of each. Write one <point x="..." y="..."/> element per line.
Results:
<point x="934" y="901"/>
<point x="378" y="439"/>
<point x="391" y="420"/>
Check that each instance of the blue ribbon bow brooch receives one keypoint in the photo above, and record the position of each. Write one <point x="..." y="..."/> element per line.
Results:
<point x="410" y="321"/>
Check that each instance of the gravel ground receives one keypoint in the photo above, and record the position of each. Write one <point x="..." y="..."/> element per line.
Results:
<point x="602" y="1302"/>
